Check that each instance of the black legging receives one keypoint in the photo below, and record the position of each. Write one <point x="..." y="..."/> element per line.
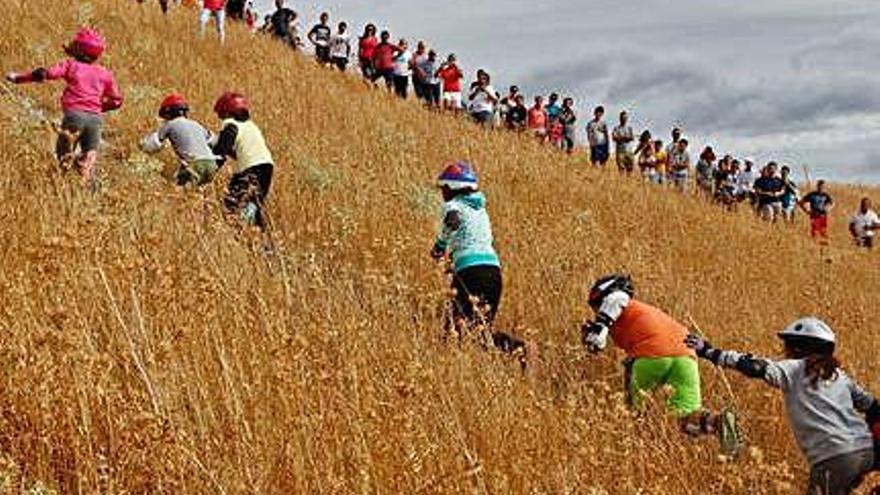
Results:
<point x="250" y="185"/>
<point x="483" y="283"/>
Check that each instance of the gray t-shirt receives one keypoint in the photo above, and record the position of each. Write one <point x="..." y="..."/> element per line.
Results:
<point x="825" y="419"/>
<point x="189" y="139"/>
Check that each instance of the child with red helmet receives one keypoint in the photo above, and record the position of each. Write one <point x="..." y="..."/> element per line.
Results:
<point x="190" y="140"/>
<point x="242" y="140"/>
<point x="90" y="92"/>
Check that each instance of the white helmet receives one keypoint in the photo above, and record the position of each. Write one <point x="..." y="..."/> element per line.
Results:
<point x="809" y="328"/>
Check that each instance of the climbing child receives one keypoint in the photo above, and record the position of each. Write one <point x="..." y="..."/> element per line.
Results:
<point x="656" y="352"/>
<point x="825" y="407"/>
<point x="242" y="140"/>
<point x="189" y="139"/>
<point x="466" y="236"/>
<point x="90" y="92"/>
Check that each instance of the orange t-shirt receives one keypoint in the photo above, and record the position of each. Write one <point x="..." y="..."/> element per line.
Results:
<point x="644" y="331"/>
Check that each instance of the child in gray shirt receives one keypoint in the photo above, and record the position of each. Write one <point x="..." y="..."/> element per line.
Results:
<point x="825" y="407"/>
<point x="189" y="139"/>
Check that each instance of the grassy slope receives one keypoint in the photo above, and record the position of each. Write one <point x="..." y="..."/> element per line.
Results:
<point x="145" y="349"/>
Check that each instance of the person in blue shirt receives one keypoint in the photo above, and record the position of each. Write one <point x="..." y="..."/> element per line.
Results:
<point x="466" y="238"/>
<point x="790" y="196"/>
<point x="553" y="108"/>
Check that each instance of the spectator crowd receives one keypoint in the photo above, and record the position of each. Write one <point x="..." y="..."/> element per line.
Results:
<point x="439" y="82"/>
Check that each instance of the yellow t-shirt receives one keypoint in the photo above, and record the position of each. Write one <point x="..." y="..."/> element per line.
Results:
<point x="250" y="145"/>
<point x="662" y="162"/>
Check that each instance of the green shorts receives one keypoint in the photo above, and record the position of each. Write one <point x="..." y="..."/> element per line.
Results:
<point x="680" y="373"/>
<point x="200" y="172"/>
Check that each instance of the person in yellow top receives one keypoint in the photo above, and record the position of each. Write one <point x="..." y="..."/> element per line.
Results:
<point x="242" y="140"/>
<point x="661" y="162"/>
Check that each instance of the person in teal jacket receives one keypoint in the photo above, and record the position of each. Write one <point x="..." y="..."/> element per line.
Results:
<point x="466" y="237"/>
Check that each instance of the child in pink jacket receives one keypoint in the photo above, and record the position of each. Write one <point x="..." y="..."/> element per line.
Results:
<point x="91" y="90"/>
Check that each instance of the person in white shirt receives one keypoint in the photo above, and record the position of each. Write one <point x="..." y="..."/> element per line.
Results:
<point x="402" y="69"/>
<point x="863" y="224"/>
<point x="597" y="135"/>
<point x="483" y="98"/>
<point x="340" y="47"/>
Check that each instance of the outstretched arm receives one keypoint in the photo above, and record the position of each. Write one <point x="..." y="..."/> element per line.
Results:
<point x="753" y="367"/>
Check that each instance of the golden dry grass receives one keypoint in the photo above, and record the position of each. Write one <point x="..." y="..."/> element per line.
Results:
<point x="147" y="349"/>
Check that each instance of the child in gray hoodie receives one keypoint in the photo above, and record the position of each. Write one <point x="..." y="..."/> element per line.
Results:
<point x="825" y="407"/>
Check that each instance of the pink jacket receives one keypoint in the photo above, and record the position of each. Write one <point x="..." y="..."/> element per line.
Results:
<point x="90" y="88"/>
<point x="214" y="5"/>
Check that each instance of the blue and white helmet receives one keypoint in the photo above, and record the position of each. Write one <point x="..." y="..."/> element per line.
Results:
<point x="458" y="175"/>
<point x="809" y="328"/>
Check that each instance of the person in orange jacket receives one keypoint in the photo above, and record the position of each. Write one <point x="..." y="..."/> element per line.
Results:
<point x="655" y="346"/>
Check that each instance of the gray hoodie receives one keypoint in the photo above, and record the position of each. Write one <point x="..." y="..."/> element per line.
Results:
<point x="827" y="419"/>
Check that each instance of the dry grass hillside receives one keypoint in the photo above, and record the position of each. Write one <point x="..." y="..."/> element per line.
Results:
<point x="146" y="348"/>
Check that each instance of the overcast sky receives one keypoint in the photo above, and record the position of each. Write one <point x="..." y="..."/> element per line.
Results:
<point x="793" y="80"/>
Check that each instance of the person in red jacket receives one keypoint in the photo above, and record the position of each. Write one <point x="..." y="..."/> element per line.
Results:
<point x="366" y="46"/>
<point x="383" y="59"/>
<point x="217" y="10"/>
<point x="90" y="92"/>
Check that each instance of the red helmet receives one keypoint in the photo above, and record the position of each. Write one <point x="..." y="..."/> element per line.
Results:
<point x="89" y="42"/>
<point x="229" y="103"/>
<point x="172" y="103"/>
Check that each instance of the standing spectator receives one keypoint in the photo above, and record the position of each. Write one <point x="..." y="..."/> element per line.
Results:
<point x="402" y="68"/>
<point x="790" y="195"/>
<point x="769" y="190"/>
<point x="555" y="132"/>
<point x="451" y="76"/>
<point x="320" y="38"/>
<point x="250" y="17"/>
<point x="646" y="157"/>
<point x="623" y="137"/>
<point x="676" y="135"/>
<point x="745" y="182"/>
<point x="483" y="99"/>
<point x="427" y="69"/>
<point x="863" y="224"/>
<point x="215" y="9"/>
<point x="537" y="121"/>
<point x="418" y="82"/>
<point x="680" y="165"/>
<point x="340" y="47"/>
<point x="818" y="204"/>
<point x="568" y="119"/>
<point x="553" y="107"/>
<point x="366" y="46"/>
<point x="725" y="182"/>
<point x="234" y="8"/>
<point x="508" y="102"/>
<point x="516" y="117"/>
<point x="282" y="24"/>
<point x="597" y="136"/>
<point x="383" y="60"/>
<point x="661" y="159"/>
<point x="705" y="172"/>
